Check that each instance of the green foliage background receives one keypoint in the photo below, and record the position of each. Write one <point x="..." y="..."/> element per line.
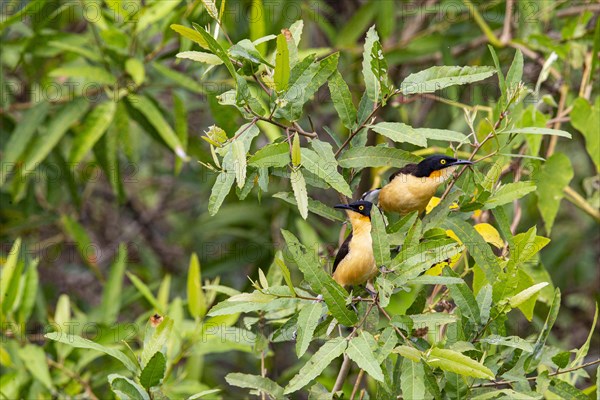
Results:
<point x="140" y="176"/>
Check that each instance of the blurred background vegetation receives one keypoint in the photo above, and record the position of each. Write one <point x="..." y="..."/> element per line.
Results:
<point x="73" y="208"/>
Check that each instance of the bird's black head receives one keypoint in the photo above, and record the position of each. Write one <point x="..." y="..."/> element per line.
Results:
<point x="362" y="207"/>
<point x="437" y="163"/>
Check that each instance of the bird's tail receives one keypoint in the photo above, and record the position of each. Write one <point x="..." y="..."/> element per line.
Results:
<point x="371" y="195"/>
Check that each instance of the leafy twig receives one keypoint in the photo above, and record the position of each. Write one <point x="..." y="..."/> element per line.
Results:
<point x="532" y="378"/>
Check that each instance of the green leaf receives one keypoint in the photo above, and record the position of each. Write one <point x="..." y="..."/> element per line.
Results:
<point x="96" y="123"/>
<point x="111" y="296"/>
<point x="554" y="175"/>
<point x="155" y="12"/>
<point x="82" y="343"/>
<point x="565" y="390"/>
<point x="8" y="270"/>
<point x="220" y="189"/>
<point x="583" y="350"/>
<point x="211" y="8"/>
<point x="300" y="194"/>
<point x="381" y="246"/>
<point x="334" y="295"/>
<point x="484" y="300"/>
<point x="126" y="389"/>
<point x="524" y="295"/>
<point x="29" y="292"/>
<point x="255" y="382"/>
<point x="438" y="78"/>
<point x="380" y="69"/>
<point x="216" y="49"/>
<point x="154" y="371"/>
<point x="453" y="361"/>
<point x="155" y="117"/>
<point x="195" y="294"/>
<point x="83" y="242"/>
<point x="410" y="353"/>
<point x="308" y="319"/>
<point x="342" y="100"/>
<point x="296" y="152"/>
<point x="435" y="280"/>
<point x="537" y="131"/>
<point x="508" y="193"/>
<point x="412" y="380"/>
<point x="477" y="247"/>
<point x="248" y="302"/>
<point x="200" y="56"/>
<point x="239" y="156"/>
<point x="515" y="73"/>
<point x="305" y="79"/>
<point x="21" y="136"/>
<point x="314" y="206"/>
<point x="191" y="34"/>
<point x="400" y="133"/>
<point x="135" y="69"/>
<point x="331" y="350"/>
<point x="441" y="134"/>
<point x="56" y="128"/>
<point x="562" y="359"/>
<point x="464" y="298"/>
<point x="34" y="360"/>
<point x="510" y="341"/>
<point x="271" y="155"/>
<point x="179" y="78"/>
<point x="145" y="291"/>
<point x="370" y="156"/>
<point x="203" y="393"/>
<point x="281" y="75"/>
<point x="414" y="260"/>
<point x="326" y="171"/>
<point x="155" y="340"/>
<point x="533" y="361"/>
<point x="98" y="75"/>
<point x="372" y="83"/>
<point x="360" y="352"/>
<point x="586" y="119"/>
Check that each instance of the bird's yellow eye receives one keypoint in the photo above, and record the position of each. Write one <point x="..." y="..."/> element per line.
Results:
<point x="443" y="162"/>
<point x="361" y="208"/>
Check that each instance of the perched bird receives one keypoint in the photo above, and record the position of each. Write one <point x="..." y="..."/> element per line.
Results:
<point x="355" y="263"/>
<point x="411" y="187"/>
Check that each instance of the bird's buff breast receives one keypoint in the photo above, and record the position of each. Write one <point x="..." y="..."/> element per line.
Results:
<point x="407" y="193"/>
<point x="359" y="265"/>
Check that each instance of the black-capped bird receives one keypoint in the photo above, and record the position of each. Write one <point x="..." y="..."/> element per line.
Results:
<point x="411" y="187"/>
<point x="355" y="263"/>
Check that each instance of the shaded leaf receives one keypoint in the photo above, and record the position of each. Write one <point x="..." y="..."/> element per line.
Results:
<point x="331" y="350"/>
<point x="453" y="361"/>
<point x="154" y="371"/>
<point x="360" y="352"/>
<point x="308" y="319"/>
<point x="437" y="78"/>
<point x="81" y="343"/>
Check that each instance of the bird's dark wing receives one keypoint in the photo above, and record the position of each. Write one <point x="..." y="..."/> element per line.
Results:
<point x="342" y="252"/>
<point x="408" y="169"/>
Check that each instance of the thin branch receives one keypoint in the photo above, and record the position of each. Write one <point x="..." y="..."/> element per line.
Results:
<point x="532" y="378"/>
<point x="361" y="373"/>
<point x="506" y="35"/>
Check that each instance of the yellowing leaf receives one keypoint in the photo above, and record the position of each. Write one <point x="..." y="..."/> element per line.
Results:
<point x="436" y="270"/>
<point x="490" y="234"/>
<point x="433" y="203"/>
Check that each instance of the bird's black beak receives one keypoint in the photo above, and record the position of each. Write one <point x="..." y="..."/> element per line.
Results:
<point x="461" y="162"/>
<point x="343" y="206"/>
